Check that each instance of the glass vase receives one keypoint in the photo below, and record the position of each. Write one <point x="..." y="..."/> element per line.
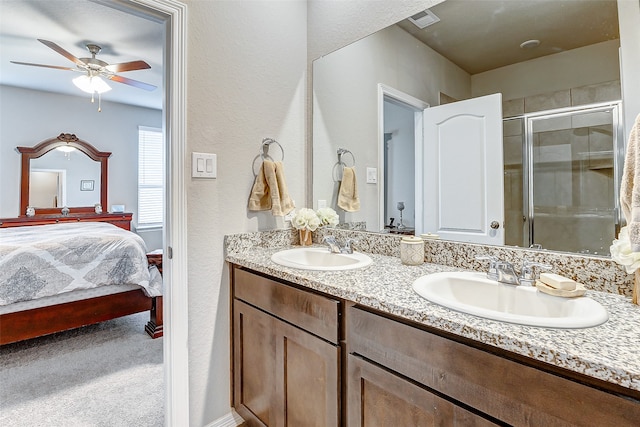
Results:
<point x="305" y="237"/>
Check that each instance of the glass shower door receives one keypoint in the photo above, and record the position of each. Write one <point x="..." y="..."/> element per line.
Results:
<point x="573" y="174"/>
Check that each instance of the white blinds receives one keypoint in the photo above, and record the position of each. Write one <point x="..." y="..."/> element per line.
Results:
<point x="150" y="176"/>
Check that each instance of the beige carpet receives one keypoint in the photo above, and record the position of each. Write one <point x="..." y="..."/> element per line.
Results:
<point x="110" y="374"/>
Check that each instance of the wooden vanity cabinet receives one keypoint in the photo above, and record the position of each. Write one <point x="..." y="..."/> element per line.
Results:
<point x="381" y="398"/>
<point x="286" y="354"/>
<point x="394" y="364"/>
<point x="306" y="359"/>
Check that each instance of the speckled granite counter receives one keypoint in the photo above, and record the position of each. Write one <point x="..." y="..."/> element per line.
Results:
<point x="610" y="352"/>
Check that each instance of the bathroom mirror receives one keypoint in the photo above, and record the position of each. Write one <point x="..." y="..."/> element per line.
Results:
<point x="63" y="172"/>
<point x="476" y="52"/>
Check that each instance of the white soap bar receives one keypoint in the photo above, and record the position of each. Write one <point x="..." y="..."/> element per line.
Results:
<point x="557" y="281"/>
<point x="430" y="236"/>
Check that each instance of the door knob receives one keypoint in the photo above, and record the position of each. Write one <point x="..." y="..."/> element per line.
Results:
<point x="495" y="225"/>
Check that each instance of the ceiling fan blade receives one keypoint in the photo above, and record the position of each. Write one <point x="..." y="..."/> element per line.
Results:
<point x="127" y="66"/>
<point x="63" y="52"/>
<point x="45" y="66"/>
<point x="132" y="82"/>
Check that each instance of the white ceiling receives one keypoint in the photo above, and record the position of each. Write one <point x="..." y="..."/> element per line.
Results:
<point x="71" y="24"/>
<point x="481" y="35"/>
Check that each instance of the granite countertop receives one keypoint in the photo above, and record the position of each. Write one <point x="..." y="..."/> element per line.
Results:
<point x="609" y="352"/>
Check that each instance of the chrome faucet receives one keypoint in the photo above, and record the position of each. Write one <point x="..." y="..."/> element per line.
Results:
<point x="527" y="277"/>
<point x="334" y="246"/>
<point x="506" y="273"/>
<point x="332" y="243"/>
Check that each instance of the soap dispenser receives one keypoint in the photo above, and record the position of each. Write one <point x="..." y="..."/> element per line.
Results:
<point x="412" y="250"/>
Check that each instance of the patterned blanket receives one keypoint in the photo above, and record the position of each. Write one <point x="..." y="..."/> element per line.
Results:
<point x="45" y="260"/>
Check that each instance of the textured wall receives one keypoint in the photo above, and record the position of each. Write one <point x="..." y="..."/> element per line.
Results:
<point x="246" y="68"/>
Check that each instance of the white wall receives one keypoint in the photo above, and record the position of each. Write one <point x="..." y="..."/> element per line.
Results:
<point x="578" y="67"/>
<point x="629" y="17"/>
<point x="345" y="105"/>
<point x="400" y="122"/>
<point x="246" y="68"/>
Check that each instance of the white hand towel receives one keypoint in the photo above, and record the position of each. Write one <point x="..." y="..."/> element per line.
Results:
<point x="630" y="186"/>
<point x="348" y="193"/>
<point x="269" y="191"/>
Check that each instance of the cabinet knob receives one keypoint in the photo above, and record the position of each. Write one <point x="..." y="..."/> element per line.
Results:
<point x="495" y="225"/>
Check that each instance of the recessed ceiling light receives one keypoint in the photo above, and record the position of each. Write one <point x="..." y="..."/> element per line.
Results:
<point x="530" y="44"/>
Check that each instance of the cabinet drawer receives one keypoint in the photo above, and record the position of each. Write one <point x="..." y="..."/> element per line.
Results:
<point x="512" y="392"/>
<point x="314" y="313"/>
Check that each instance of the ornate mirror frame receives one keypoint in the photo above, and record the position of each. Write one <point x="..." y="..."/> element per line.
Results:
<point x="62" y="140"/>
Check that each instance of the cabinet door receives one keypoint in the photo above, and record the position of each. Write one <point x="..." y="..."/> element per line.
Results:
<point x="254" y="357"/>
<point x="308" y="378"/>
<point x="378" y="398"/>
<point x="283" y="376"/>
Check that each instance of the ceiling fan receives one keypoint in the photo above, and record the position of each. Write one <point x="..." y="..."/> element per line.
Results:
<point x="93" y="67"/>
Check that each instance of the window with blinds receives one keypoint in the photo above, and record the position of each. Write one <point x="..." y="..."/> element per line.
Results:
<point x="150" y="177"/>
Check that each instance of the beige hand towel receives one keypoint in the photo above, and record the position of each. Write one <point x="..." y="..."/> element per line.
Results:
<point x="630" y="186"/>
<point x="269" y="191"/>
<point x="348" y="193"/>
<point x="260" y="197"/>
<point x="280" y="200"/>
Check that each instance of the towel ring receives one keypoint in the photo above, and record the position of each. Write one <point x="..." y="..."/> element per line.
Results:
<point x="264" y="155"/>
<point x="265" y="148"/>
<point x="338" y="167"/>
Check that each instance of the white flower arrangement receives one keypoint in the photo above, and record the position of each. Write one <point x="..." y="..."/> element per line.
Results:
<point x="328" y="217"/>
<point x="622" y="253"/>
<point x="306" y="219"/>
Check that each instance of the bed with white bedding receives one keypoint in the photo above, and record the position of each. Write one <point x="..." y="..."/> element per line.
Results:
<point x="60" y="276"/>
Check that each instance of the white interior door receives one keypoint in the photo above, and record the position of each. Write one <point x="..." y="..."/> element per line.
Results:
<point x="463" y="171"/>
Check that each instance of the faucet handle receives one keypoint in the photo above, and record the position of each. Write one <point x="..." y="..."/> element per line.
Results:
<point x="332" y="244"/>
<point x="528" y="275"/>
<point x="492" y="272"/>
<point x="347" y="245"/>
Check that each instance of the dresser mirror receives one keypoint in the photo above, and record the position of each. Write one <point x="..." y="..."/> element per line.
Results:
<point x="63" y="172"/>
<point x="574" y="64"/>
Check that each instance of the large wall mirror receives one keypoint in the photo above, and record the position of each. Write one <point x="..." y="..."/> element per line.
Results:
<point x="63" y="172"/>
<point x="556" y="66"/>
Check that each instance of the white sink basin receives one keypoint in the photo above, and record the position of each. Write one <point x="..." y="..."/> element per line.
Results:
<point x="473" y="293"/>
<point x="320" y="259"/>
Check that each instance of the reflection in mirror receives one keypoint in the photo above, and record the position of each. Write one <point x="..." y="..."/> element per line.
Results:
<point x="56" y="177"/>
<point x="64" y="171"/>
<point x="575" y="65"/>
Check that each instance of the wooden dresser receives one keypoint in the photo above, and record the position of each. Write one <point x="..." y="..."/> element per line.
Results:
<point x="122" y="220"/>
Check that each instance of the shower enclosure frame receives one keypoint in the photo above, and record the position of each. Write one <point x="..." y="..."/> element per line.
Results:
<point x="528" y="120"/>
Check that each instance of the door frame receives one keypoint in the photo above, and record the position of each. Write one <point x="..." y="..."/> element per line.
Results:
<point x="527" y="158"/>
<point x="173" y="14"/>
<point x="385" y="91"/>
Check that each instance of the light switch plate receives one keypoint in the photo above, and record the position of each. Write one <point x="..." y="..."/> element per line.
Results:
<point x="203" y="165"/>
<point x="372" y="175"/>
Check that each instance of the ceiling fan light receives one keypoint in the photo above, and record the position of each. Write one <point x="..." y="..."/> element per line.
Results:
<point x="66" y="148"/>
<point x="91" y="84"/>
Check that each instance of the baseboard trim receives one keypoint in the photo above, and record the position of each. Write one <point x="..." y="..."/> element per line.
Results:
<point x="232" y="419"/>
